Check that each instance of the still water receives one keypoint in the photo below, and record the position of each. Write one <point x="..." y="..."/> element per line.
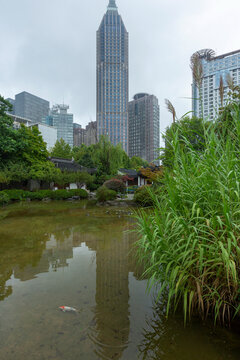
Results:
<point x="74" y="255"/>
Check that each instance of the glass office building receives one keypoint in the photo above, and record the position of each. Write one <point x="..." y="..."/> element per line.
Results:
<point x="112" y="77"/>
<point x="62" y="121"/>
<point x="214" y="67"/>
<point x="31" y="107"/>
<point x="144" y="127"/>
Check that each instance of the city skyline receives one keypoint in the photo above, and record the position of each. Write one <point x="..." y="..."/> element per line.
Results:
<point x="159" y="64"/>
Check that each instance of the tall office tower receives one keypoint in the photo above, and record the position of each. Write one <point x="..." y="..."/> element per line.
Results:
<point x="112" y="77"/>
<point x="206" y="97"/>
<point x="60" y="119"/>
<point x="31" y="107"/>
<point x="144" y="127"/>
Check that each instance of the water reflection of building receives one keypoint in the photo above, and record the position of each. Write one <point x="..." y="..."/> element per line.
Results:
<point x="112" y="295"/>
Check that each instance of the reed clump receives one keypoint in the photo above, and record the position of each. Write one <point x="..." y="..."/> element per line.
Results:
<point x="190" y="244"/>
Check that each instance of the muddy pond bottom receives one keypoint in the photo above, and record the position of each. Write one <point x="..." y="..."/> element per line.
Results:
<point x="64" y="254"/>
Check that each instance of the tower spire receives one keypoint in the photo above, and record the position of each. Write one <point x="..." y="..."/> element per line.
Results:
<point x="112" y="5"/>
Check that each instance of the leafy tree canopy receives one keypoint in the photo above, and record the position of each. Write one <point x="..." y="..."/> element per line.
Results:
<point x="62" y="150"/>
<point x="23" y="145"/>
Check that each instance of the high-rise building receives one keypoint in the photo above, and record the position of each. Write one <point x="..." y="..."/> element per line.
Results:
<point x="91" y="133"/>
<point x="144" y="127"/>
<point x="63" y="122"/>
<point x="206" y="95"/>
<point x="78" y="135"/>
<point x="112" y="77"/>
<point x="30" y="106"/>
<point x="86" y="136"/>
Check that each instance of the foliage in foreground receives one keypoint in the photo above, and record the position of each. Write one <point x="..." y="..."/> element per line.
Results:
<point x="191" y="242"/>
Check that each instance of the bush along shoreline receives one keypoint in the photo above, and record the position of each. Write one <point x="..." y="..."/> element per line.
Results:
<point x="190" y="243"/>
<point x="8" y="196"/>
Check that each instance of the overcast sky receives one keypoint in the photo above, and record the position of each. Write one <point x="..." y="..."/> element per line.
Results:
<point x="48" y="48"/>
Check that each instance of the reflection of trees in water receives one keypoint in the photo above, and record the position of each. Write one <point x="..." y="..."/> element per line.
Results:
<point x="26" y="254"/>
<point x="5" y="291"/>
<point x="154" y="334"/>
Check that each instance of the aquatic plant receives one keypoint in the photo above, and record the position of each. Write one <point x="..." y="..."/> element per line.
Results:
<point x="190" y="244"/>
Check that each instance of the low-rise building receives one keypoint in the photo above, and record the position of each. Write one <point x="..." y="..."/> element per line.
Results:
<point x="49" y="133"/>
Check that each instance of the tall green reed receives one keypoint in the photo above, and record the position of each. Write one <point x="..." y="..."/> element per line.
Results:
<point x="190" y="244"/>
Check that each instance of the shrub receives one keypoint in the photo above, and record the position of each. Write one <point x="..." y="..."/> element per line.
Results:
<point x="79" y="192"/>
<point x="18" y="195"/>
<point x="38" y="195"/>
<point x="143" y="196"/>
<point x="104" y="194"/>
<point x="116" y="185"/>
<point x="4" y="198"/>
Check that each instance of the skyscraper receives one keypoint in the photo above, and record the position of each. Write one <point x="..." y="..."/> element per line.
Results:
<point x="30" y="107"/>
<point x="206" y="98"/>
<point x="63" y="122"/>
<point x="144" y="127"/>
<point x="112" y="77"/>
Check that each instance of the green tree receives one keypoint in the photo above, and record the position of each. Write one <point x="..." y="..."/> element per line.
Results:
<point x="8" y="135"/>
<point x="62" y="150"/>
<point x="31" y="147"/>
<point x="190" y="129"/>
<point x="84" y="155"/>
<point x="136" y="163"/>
<point x="109" y="158"/>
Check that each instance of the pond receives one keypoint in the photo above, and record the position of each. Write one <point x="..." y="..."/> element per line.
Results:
<point x="71" y="254"/>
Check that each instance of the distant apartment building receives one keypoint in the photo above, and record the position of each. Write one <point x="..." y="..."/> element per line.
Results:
<point x="31" y="107"/>
<point x="206" y="96"/>
<point x="86" y="136"/>
<point x="112" y="77"/>
<point x="91" y="133"/>
<point x="78" y="135"/>
<point x="62" y="121"/>
<point x="144" y="127"/>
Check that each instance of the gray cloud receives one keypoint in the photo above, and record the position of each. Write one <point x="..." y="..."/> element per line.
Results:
<point x="48" y="47"/>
